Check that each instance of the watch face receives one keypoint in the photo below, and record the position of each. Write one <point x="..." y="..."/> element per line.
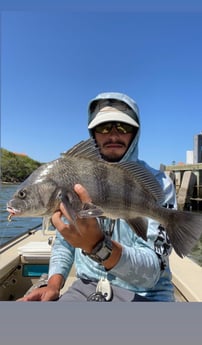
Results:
<point x="104" y="253"/>
<point x="106" y="250"/>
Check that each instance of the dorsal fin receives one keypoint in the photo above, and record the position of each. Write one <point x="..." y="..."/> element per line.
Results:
<point x="89" y="149"/>
<point x="85" y="149"/>
<point x="145" y="178"/>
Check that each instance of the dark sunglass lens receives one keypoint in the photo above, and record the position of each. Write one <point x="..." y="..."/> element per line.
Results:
<point x="124" y="128"/>
<point x="121" y="128"/>
<point x="104" y="128"/>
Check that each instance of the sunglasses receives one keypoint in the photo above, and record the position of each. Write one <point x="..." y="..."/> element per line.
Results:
<point x="122" y="128"/>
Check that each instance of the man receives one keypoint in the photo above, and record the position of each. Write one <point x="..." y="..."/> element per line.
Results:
<point x="112" y="262"/>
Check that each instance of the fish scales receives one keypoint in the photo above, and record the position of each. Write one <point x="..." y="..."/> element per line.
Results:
<point x="100" y="177"/>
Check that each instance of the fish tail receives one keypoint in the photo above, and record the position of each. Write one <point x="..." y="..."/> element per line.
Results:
<point x="184" y="229"/>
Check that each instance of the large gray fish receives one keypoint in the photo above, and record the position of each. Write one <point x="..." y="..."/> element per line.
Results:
<point x="118" y="190"/>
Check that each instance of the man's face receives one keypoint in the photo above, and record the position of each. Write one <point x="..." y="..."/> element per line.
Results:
<point x="113" y="145"/>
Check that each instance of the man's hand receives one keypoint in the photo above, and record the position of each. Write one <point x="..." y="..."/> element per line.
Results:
<point x="51" y="292"/>
<point x="45" y="293"/>
<point x="85" y="233"/>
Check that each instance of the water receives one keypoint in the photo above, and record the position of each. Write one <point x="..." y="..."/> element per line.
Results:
<point x="9" y="230"/>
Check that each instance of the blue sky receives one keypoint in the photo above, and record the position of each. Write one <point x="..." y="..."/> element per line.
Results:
<point x="56" y="58"/>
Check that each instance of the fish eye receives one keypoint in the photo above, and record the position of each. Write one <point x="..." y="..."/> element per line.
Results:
<point x="22" y="194"/>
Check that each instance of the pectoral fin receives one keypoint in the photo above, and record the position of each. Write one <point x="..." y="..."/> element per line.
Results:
<point x="72" y="204"/>
<point x="75" y="208"/>
<point x="139" y="226"/>
<point x="90" y="210"/>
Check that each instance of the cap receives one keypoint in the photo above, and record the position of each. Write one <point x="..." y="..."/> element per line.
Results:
<point x="103" y="108"/>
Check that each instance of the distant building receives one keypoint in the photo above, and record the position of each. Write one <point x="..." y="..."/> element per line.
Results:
<point x="197" y="148"/>
<point x="190" y="157"/>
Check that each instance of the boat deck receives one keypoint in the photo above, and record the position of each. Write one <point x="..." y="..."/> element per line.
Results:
<point x="33" y="250"/>
<point x="187" y="278"/>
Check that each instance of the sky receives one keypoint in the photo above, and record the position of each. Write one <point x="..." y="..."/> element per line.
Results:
<point x="57" y="56"/>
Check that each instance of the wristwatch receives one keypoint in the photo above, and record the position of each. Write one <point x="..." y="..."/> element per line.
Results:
<point x="101" y="251"/>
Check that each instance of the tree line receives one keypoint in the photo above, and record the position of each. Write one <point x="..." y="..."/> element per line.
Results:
<point x="16" y="168"/>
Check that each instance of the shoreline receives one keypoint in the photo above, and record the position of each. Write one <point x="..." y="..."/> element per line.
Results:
<point x="9" y="183"/>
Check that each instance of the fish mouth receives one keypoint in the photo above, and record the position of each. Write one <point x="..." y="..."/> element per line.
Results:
<point x="13" y="211"/>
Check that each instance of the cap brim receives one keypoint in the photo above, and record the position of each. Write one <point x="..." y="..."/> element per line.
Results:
<point x="108" y="116"/>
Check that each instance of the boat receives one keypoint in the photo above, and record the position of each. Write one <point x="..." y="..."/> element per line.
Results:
<point x="24" y="263"/>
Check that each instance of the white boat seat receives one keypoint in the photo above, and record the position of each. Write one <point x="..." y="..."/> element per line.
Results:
<point x="35" y="251"/>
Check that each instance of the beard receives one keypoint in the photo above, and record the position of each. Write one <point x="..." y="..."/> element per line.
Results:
<point x="112" y="158"/>
<point x="111" y="155"/>
<point x="116" y="153"/>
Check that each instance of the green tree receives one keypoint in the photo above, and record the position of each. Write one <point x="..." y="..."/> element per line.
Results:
<point x="16" y="168"/>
